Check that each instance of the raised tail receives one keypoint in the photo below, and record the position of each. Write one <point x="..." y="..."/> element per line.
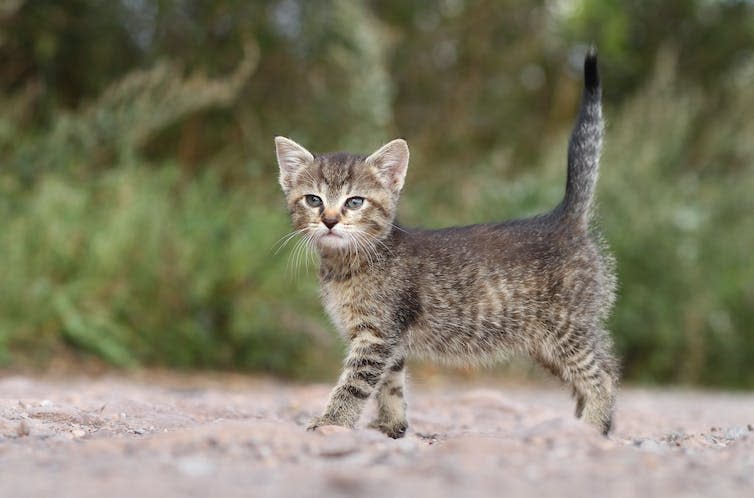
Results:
<point x="585" y="147"/>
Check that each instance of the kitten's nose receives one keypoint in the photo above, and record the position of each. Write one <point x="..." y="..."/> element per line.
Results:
<point x="330" y="222"/>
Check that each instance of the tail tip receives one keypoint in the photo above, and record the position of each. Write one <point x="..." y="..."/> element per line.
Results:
<point x="591" y="72"/>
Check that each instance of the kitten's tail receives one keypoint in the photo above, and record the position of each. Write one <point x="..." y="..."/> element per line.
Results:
<point x="584" y="147"/>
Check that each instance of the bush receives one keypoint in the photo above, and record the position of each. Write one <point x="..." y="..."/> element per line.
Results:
<point x="143" y="266"/>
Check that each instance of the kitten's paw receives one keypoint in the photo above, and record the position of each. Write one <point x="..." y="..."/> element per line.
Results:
<point x="323" y="421"/>
<point x="395" y="430"/>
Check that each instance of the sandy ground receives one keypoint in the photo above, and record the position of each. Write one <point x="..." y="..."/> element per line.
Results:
<point x="158" y="435"/>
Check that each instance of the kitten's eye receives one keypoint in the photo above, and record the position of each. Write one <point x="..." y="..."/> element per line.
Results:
<point x="354" y="202"/>
<point x="313" y="201"/>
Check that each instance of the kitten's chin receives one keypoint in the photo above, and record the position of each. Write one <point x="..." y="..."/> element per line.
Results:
<point x="332" y="242"/>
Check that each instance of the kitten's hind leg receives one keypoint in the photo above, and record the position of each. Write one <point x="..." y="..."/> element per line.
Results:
<point x="391" y="402"/>
<point x="599" y="400"/>
<point x="584" y="360"/>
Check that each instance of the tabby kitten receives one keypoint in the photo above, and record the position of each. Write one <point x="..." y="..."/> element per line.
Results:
<point x="476" y="294"/>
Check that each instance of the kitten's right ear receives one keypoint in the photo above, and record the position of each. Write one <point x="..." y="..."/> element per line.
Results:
<point x="390" y="163"/>
<point x="291" y="158"/>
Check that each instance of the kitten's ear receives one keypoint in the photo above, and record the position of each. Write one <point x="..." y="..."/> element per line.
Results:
<point x="291" y="158"/>
<point x="390" y="163"/>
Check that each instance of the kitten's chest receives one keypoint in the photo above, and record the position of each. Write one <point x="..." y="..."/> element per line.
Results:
<point x="350" y="302"/>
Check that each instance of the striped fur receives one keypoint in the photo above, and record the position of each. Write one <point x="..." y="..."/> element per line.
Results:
<point x="541" y="286"/>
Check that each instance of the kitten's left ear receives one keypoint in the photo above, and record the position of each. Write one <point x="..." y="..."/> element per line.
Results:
<point x="390" y="163"/>
<point x="291" y="158"/>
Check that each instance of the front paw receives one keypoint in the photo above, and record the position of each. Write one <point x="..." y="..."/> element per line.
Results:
<point x="324" y="420"/>
<point x="394" y="429"/>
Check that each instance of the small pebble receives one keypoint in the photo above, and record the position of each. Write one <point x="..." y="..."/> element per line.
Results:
<point x="735" y="433"/>
<point x="649" y="445"/>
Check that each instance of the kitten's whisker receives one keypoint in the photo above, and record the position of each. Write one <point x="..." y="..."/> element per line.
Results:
<point x="282" y="241"/>
<point x="363" y="242"/>
<point x="385" y="246"/>
<point x="398" y="228"/>
<point x="296" y="259"/>
<point x="356" y="248"/>
<point x="367" y="251"/>
<point x="306" y="251"/>
<point x="371" y="250"/>
<point x="292" y="258"/>
<point x="361" y="248"/>
<point x="301" y="252"/>
<point x="368" y="245"/>
<point x="356" y="243"/>
<point x="310" y="252"/>
<point x="285" y="239"/>
<point x="373" y="241"/>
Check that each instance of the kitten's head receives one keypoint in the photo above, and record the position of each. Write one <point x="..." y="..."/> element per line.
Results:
<point x="342" y="201"/>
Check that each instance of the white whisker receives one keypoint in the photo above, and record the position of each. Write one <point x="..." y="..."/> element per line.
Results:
<point x="292" y="257"/>
<point x="398" y="228"/>
<point x="364" y="243"/>
<point x="285" y="239"/>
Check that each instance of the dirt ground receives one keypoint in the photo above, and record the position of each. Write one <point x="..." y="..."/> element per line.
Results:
<point x="166" y="435"/>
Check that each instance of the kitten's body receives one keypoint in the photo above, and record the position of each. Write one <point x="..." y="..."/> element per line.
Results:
<point x="541" y="286"/>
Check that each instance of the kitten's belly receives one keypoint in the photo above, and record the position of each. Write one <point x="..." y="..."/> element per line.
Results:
<point x="458" y="343"/>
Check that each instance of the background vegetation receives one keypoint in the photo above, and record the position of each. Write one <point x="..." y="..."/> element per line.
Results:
<point x="138" y="196"/>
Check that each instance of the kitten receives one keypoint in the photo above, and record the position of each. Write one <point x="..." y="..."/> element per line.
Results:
<point x="541" y="286"/>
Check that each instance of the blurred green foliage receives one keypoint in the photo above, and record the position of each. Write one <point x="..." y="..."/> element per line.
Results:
<point x="141" y="213"/>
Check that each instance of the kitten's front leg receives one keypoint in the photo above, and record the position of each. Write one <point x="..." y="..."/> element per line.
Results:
<point x="391" y="402"/>
<point x="365" y="365"/>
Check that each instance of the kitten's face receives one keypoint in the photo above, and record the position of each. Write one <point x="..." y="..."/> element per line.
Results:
<point x="342" y="201"/>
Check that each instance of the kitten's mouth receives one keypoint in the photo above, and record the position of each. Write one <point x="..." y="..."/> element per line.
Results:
<point x="331" y="240"/>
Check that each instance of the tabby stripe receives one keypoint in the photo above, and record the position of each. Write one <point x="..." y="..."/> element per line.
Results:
<point x="371" y="378"/>
<point x="585" y="360"/>
<point x="365" y="327"/>
<point x="380" y="207"/>
<point x="356" y="392"/>
<point x="379" y="349"/>
<point x="577" y="354"/>
<point x="398" y="365"/>
<point x="592" y="370"/>
<point x="565" y="326"/>
<point x="358" y="363"/>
